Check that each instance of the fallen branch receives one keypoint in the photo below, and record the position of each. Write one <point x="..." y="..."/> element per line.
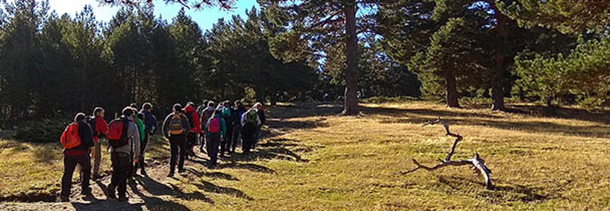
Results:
<point x="475" y="162"/>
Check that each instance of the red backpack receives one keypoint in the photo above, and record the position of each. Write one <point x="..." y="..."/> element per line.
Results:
<point x="69" y="138"/>
<point x="214" y="125"/>
<point x="117" y="132"/>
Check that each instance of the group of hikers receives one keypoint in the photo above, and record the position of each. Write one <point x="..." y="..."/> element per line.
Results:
<point x="215" y="127"/>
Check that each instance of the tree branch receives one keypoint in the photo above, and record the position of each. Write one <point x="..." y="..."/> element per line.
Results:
<point x="475" y="162"/>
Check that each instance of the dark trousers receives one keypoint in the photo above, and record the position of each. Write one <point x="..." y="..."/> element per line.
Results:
<point x="121" y="165"/>
<point x="248" y="134"/>
<point x="225" y="145"/>
<point x="236" y="136"/>
<point x="191" y="139"/>
<point x="177" y="145"/>
<point x="142" y="150"/>
<point x="212" y="147"/>
<point x="257" y="136"/>
<point x="70" y="163"/>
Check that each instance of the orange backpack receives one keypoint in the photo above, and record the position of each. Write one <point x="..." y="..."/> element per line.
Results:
<point x="69" y="138"/>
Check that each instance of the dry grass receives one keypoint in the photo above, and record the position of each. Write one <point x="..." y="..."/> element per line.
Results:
<point x="315" y="160"/>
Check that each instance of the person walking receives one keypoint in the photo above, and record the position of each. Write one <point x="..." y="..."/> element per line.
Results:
<point x="250" y="123"/>
<point x="260" y="111"/>
<point x="150" y="126"/>
<point x="77" y="141"/>
<point x="205" y="115"/>
<point x="195" y="131"/>
<point x="237" y="113"/>
<point x="124" y="140"/>
<point x="175" y="127"/>
<point x="215" y="130"/>
<point x="99" y="127"/>
<point x="227" y="116"/>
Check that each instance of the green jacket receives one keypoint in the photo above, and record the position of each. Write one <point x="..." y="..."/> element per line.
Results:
<point x="223" y="127"/>
<point x="140" y="124"/>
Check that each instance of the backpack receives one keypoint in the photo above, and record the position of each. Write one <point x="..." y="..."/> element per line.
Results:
<point x="70" y="138"/>
<point x="214" y="125"/>
<point x="226" y="112"/>
<point x="117" y="132"/>
<point x="251" y="117"/>
<point x="175" y="125"/>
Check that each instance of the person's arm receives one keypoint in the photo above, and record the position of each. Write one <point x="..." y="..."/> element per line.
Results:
<point x="243" y="119"/>
<point x="197" y="123"/>
<point x="134" y="133"/>
<point x="205" y="128"/>
<point x="155" y="124"/>
<point x="165" y="127"/>
<point x="223" y="128"/>
<point x="258" y="120"/>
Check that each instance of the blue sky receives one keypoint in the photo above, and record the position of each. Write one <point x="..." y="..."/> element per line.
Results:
<point x="205" y="17"/>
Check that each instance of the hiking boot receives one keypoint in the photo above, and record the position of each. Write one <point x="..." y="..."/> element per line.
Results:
<point x="65" y="199"/>
<point x="171" y="174"/>
<point x="86" y="191"/>
<point x="111" y="191"/>
<point x="181" y="170"/>
<point x="211" y="166"/>
<point x="123" y="199"/>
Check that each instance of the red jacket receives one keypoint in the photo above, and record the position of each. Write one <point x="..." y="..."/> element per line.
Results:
<point x="101" y="127"/>
<point x="195" y="124"/>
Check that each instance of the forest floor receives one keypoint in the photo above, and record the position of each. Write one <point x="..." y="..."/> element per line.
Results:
<point x="313" y="159"/>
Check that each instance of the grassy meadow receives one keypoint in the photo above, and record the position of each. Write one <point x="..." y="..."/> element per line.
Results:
<point x="313" y="159"/>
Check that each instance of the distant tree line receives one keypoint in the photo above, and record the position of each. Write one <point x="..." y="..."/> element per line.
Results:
<point x="54" y="64"/>
<point x="545" y="51"/>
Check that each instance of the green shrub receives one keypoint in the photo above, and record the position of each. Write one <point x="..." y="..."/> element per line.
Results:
<point x="45" y="130"/>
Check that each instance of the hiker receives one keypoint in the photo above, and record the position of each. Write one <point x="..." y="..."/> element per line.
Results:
<point x="191" y="137"/>
<point x="250" y="122"/>
<point x="150" y="125"/>
<point x="237" y="113"/>
<point x="260" y="111"/>
<point x="175" y="127"/>
<point x="99" y="127"/>
<point x="77" y="141"/>
<point x="140" y="125"/>
<point x="124" y="140"/>
<point x="205" y="115"/>
<point x="215" y="130"/>
<point x="200" y="110"/>
<point x="225" y="145"/>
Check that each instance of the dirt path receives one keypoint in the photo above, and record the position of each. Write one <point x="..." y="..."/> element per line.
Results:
<point x="144" y="193"/>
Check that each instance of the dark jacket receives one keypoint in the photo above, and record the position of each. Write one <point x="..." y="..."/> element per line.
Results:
<point x="261" y="115"/>
<point x="185" y="124"/>
<point x="86" y="141"/>
<point x="150" y="121"/>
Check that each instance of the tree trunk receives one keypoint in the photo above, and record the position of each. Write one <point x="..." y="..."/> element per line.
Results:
<point x="451" y="91"/>
<point x="260" y="95"/>
<point x="350" y="106"/>
<point x="273" y="98"/>
<point x="497" y="91"/>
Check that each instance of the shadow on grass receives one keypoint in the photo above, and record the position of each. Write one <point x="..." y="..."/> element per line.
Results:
<point x="502" y="192"/>
<point x="396" y="115"/>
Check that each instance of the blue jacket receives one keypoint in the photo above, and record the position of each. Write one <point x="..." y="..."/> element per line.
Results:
<point x="150" y="121"/>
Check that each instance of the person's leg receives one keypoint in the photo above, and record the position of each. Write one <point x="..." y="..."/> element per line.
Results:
<point x="173" y="145"/>
<point x="236" y="136"/>
<point x="66" y="179"/>
<point x="256" y="137"/>
<point x="124" y="163"/>
<point x="114" y="181"/>
<point x="85" y="163"/>
<point x="98" y="158"/>
<point x="214" y="142"/>
<point x="142" y="151"/>
<point x="182" y="146"/>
